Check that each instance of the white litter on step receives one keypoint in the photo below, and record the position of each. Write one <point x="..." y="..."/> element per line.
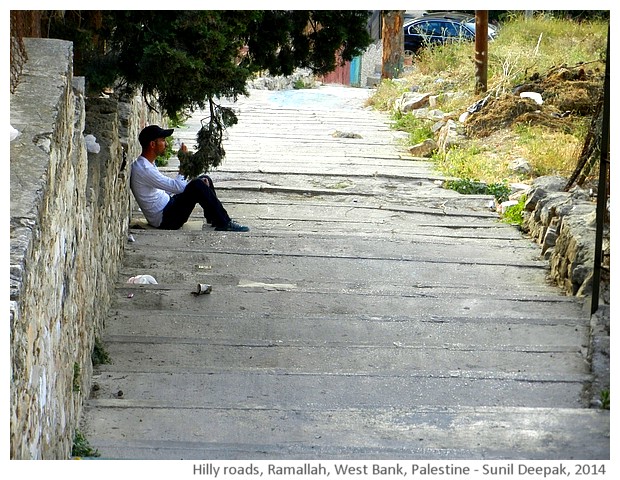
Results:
<point x="142" y="279"/>
<point x="14" y="133"/>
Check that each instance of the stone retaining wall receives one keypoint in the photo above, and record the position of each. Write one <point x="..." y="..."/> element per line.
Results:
<point x="564" y="224"/>
<point x="68" y="227"/>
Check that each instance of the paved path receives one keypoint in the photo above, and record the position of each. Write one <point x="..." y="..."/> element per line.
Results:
<point x="368" y="314"/>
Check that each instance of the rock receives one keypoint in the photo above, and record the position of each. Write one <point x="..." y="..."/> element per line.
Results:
<point x="438" y="126"/>
<point x="91" y="144"/>
<point x="429" y="114"/>
<point x="412" y="101"/>
<point x="449" y="136"/>
<point x="519" y="187"/>
<point x="339" y="134"/>
<point x="541" y="187"/>
<point x="521" y="165"/>
<point x="436" y="100"/>
<point x="551" y="235"/>
<point x="517" y="190"/>
<point x="300" y="76"/>
<point x="423" y="149"/>
<point x="507" y="204"/>
<point x="551" y="183"/>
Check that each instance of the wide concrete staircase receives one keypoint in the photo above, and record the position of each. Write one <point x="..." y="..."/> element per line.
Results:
<point x="368" y="314"/>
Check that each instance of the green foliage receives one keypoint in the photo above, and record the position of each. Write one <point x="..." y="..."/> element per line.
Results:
<point x="300" y="84"/>
<point x="500" y="191"/>
<point x="187" y="59"/>
<point x="419" y="129"/>
<point x="282" y="40"/>
<point x="210" y="151"/>
<point x="162" y="160"/>
<point x="514" y="215"/>
<point x="605" y="399"/>
<point x="550" y="152"/>
<point x="552" y="40"/>
<point x="180" y="57"/>
<point x="465" y="162"/>
<point x="81" y="447"/>
<point x="100" y="355"/>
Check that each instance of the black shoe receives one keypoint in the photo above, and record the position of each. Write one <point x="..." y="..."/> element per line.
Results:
<point x="233" y="226"/>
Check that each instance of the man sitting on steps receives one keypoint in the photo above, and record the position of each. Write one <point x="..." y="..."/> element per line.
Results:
<point x="167" y="202"/>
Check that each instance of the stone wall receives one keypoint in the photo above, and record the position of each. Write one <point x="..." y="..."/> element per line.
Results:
<point x="68" y="227"/>
<point x="371" y="64"/>
<point x="564" y="224"/>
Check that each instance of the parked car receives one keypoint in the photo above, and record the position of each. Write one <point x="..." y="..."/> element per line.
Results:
<point x="441" y="28"/>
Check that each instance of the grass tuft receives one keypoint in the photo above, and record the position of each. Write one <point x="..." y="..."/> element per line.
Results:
<point x="81" y="447"/>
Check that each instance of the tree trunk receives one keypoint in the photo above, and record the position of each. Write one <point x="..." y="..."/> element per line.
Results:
<point x="393" y="43"/>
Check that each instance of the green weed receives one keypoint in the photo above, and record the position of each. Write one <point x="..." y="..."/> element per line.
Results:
<point x="466" y="162"/>
<point x="162" y="160"/>
<point x="550" y="152"/>
<point x="300" y="83"/>
<point x="514" y="215"/>
<point x="81" y="447"/>
<point x="418" y="129"/>
<point x="500" y="191"/>
<point x="605" y="399"/>
<point x="386" y="93"/>
<point x="99" y="355"/>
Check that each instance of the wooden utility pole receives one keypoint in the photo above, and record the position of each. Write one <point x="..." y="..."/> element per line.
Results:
<point x="482" y="50"/>
<point x="393" y="43"/>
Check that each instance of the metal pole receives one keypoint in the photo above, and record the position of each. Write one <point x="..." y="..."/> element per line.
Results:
<point x="601" y="198"/>
<point x="482" y="50"/>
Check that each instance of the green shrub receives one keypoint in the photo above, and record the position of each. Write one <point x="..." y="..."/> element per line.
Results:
<point x="163" y="159"/>
<point x="418" y="129"/>
<point x="605" y="399"/>
<point x="500" y="191"/>
<point x="99" y="355"/>
<point x="514" y="215"/>
<point x="81" y="447"/>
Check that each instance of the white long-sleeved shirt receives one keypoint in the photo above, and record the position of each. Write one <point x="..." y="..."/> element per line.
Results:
<point x="152" y="189"/>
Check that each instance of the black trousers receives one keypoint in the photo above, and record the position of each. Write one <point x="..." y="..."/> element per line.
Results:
<point x="180" y="207"/>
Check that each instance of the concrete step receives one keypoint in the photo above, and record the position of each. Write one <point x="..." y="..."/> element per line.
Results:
<point x="391" y="433"/>
<point x="195" y="389"/>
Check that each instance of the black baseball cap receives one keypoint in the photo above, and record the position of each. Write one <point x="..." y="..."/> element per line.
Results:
<point x="153" y="132"/>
